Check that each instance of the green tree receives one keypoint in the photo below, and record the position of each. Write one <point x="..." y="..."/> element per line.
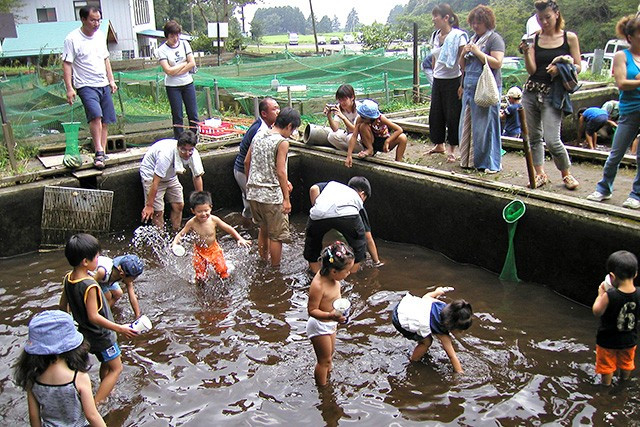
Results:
<point x="376" y="35"/>
<point x="8" y="6"/>
<point x="352" y="21"/>
<point x="283" y="19"/>
<point x="324" y="25"/>
<point x="394" y="13"/>
<point x="257" y="31"/>
<point x="335" y="24"/>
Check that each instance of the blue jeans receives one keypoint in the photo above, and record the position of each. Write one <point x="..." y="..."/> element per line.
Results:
<point x="625" y="134"/>
<point x="177" y="95"/>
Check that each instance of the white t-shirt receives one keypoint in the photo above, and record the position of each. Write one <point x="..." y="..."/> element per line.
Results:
<point x="440" y="71"/>
<point x="87" y="56"/>
<point x="414" y="314"/>
<point x="106" y="264"/>
<point x="175" y="55"/>
<point x="335" y="201"/>
<point x="351" y="116"/>
<point x="163" y="159"/>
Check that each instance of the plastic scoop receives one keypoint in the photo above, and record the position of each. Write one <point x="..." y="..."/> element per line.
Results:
<point x="142" y="324"/>
<point x="511" y="213"/>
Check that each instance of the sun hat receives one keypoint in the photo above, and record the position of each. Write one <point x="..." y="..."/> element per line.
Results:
<point x="131" y="264"/>
<point x="52" y="332"/>
<point x="368" y="109"/>
<point x="514" y="92"/>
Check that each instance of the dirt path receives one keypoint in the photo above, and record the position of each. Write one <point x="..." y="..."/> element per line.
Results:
<point x="514" y="171"/>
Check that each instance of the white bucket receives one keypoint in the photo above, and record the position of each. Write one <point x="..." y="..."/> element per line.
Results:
<point x="342" y="306"/>
<point x="142" y="324"/>
<point x="178" y="250"/>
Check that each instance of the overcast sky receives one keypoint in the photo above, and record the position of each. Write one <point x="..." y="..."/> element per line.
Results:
<point x="368" y="10"/>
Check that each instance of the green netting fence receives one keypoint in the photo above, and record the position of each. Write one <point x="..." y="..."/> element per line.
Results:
<point x="37" y="106"/>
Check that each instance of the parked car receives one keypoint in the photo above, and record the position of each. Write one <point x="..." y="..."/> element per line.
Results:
<point x="512" y="63"/>
<point x="348" y="38"/>
<point x="334" y="40"/>
<point x="322" y="40"/>
<point x="293" y="39"/>
<point x="615" y="45"/>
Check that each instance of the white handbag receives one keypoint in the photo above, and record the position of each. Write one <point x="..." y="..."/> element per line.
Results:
<point x="486" y="90"/>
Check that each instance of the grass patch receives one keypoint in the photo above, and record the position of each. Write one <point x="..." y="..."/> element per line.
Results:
<point x="281" y="39"/>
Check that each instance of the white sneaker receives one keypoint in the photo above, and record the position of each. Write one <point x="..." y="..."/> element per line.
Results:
<point x="631" y="203"/>
<point x="597" y="196"/>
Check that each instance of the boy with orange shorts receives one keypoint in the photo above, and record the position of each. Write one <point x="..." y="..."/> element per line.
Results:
<point x="206" y="250"/>
<point x="618" y="306"/>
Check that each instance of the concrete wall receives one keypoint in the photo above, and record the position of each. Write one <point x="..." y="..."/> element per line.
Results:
<point x="564" y="247"/>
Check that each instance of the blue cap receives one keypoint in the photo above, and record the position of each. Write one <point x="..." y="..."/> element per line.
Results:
<point x="52" y="332"/>
<point x="131" y="264"/>
<point x="368" y="109"/>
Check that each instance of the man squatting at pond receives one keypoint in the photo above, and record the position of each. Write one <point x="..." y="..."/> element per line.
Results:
<point x="163" y="160"/>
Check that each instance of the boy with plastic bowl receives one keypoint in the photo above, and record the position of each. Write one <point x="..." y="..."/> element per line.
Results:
<point x="206" y="251"/>
<point x="336" y="262"/>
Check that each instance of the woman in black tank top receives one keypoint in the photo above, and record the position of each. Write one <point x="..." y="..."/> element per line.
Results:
<point x="543" y="120"/>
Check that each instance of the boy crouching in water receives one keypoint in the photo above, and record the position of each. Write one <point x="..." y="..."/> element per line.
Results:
<point x="206" y="250"/>
<point x="618" y="307"/>
<point x="90" y="309"/>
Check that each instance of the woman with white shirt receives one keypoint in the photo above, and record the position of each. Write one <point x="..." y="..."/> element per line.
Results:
<point x="444" y="115"/>
<point x="176" y="59"/>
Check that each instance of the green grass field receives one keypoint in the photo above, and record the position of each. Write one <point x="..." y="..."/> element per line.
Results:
<point x="280" y="39"/>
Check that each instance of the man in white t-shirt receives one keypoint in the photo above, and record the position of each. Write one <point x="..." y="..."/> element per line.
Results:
<point x="163" y="160"/>
<point x="85" y="60"/>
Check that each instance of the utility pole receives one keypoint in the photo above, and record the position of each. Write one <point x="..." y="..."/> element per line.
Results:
<point x="313" y="24"/>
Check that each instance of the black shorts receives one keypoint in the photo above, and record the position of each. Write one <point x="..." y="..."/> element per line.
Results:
<point x="351" y="227"/>
<point x="595" y="124"/>
<point x="378" y="143"/>
<point x="407" y="334"/>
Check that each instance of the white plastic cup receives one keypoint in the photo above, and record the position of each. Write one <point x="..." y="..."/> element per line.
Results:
<point x="447" y="289"/>
<point x="342" y="306"/>
<point x="142" y="324"/>
<point x="178" y="250"/>
<point x="607" y="282"/>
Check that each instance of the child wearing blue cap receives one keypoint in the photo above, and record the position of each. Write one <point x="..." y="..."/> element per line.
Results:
<point x="83" y="296"/>
<point x="123" y="269"/>
<point x="373" y="129"/>
<point x="52" y="369"/>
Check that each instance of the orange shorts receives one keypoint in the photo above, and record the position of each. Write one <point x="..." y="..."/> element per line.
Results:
<point x="203" y="256"/>
<point x="608" y="360"/>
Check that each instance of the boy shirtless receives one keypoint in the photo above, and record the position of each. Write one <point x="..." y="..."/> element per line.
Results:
<point x="206" y="250"/>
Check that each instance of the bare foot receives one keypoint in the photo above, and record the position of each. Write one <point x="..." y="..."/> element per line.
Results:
<point x="435" y="150"/>
<point x="365" y="153"/>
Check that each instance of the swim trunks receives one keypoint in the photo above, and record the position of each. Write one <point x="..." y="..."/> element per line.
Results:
<point x="317" y="327"/>
<point x="204" y="256"/>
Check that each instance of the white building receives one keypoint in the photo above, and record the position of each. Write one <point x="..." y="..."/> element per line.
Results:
<point x="128" y="22"/>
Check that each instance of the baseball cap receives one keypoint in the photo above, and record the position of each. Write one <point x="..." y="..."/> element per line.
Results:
<point x="368" y="109"/>
<point x="131" y="264"/>
<point x="52" y="332"/>
<point x="514" y="92"/>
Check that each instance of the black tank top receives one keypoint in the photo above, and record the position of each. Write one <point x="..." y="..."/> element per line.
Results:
<point x="544" y="56"/>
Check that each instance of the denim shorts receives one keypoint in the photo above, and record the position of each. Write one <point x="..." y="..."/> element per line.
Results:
<point x="115" y="286"/>
<point x="109" y="354"/>
<point x="97" y="102"/>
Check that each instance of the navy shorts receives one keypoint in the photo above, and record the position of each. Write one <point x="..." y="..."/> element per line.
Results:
<point x="97" y="102"/>
<point x="595" y="124"/>
<point x="109" y="354"/>
<point x="407" y="334"/>
<point x="378" y="143"/>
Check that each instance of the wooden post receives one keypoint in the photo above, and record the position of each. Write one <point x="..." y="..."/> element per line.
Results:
<point x="416" y="66"/>
<point x="216" y="95"/>
<point x="289" y="97"/>
<point x="207" y="93"/>
<point x="527" y="148"/>
<point x="385" y="76"/>
<point x="256" y="107"/>
<point x="157" y="88"/>
<point x="7" y="131"/>
<point x="120" y="102"/>
<point x="152" y="84"/>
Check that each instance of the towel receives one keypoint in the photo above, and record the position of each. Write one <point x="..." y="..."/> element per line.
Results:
<point x="449" y="51"/>
<point x="178" y="163"/>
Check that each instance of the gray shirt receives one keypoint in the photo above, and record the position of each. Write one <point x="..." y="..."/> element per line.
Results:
<point x="60" y="405"/>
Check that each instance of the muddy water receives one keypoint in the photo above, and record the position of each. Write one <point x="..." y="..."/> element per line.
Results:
<point x="236" y="352"/>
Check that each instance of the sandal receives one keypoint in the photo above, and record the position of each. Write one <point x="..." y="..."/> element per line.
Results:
<point x="451" y="158"/>
<point x="541" y="179"/>
<point x="98" y="160"/>
<point x="570" y="182"/>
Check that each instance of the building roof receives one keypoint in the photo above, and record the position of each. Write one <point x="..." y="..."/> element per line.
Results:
<point x="45" y="38"/>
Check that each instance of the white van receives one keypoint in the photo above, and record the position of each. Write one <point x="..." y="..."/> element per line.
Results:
<point x="293" y="39"/>
<point x="615" y="45"/>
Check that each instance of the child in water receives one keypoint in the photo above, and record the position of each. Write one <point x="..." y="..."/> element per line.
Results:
<point x="419" y="319"/>
<point x="206" y="250"/>
<point x="52" y="369"/>
<point x="373" y="129"/>
<point x="336" y="261"/>
<point x="618" y="307"/>
<point x="123" y="269"/>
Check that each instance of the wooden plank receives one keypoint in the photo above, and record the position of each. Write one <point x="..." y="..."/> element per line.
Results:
<point x="86" y="173"/>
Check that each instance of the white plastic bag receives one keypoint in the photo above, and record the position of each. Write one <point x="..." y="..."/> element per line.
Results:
<point x="487" y="90"/>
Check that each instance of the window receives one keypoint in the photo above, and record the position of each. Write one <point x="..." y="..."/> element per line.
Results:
<point x="77" y="5"/>
<point x="46" y="14"/>
<point x="141" y="12"/>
